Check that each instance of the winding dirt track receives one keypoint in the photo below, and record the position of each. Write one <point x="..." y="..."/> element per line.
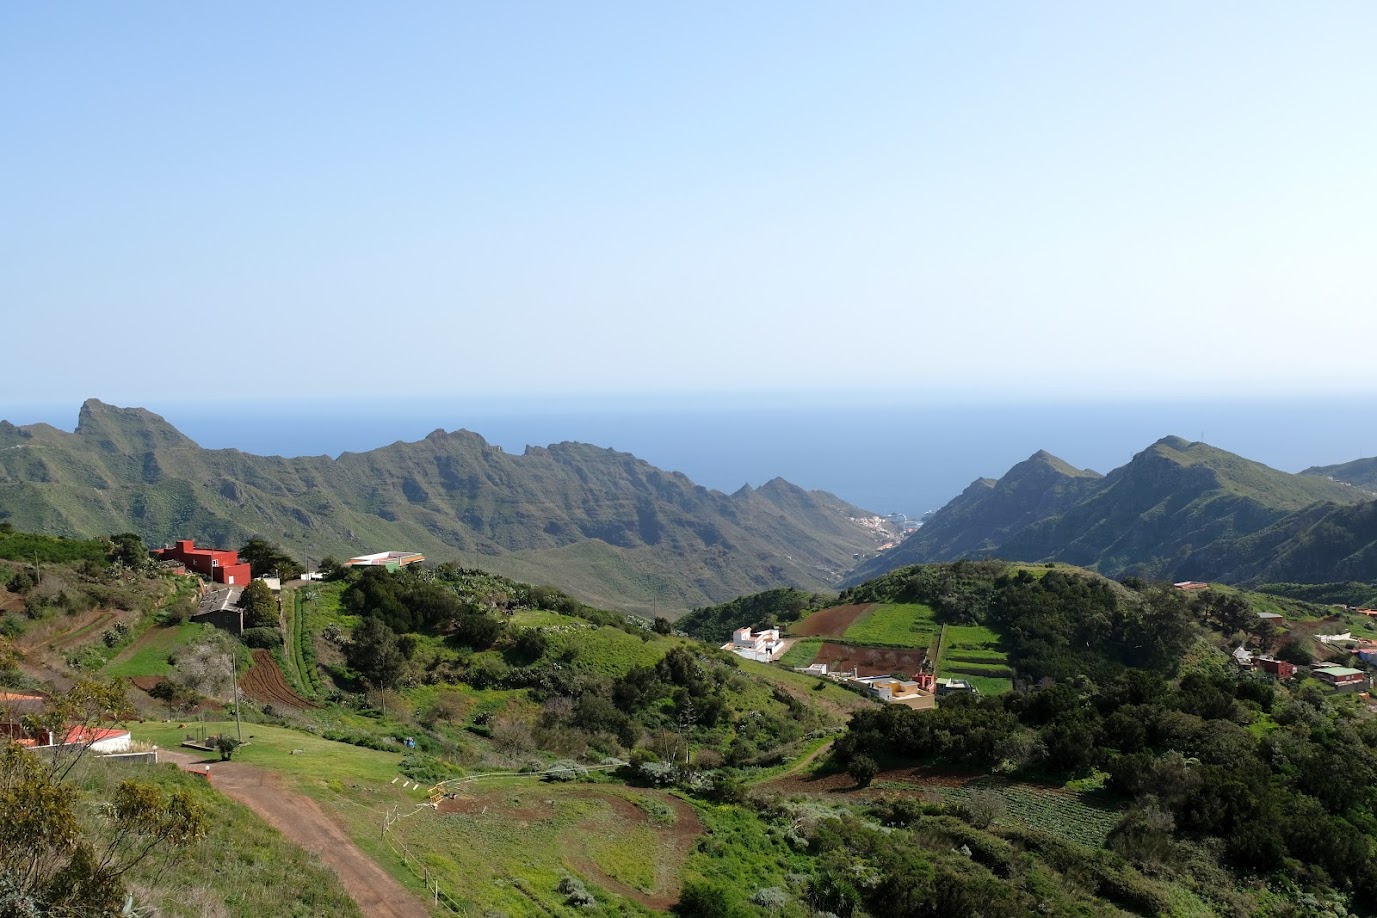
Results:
<point x="301" y="820"/>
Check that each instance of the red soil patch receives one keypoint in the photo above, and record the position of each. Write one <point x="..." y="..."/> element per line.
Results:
<point x="147" y="683"/>
<point x="872" y="661"/>
<point x="831" y="622"/>
<point x="265" y="683"/>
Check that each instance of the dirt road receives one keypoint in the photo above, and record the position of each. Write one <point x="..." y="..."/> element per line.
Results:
<point x="301" y="820"/>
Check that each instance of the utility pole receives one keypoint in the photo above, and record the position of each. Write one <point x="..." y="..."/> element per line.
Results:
<point x="234" y="674"/>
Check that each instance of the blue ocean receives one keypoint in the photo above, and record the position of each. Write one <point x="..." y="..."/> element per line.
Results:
<point x="883" y="453"/>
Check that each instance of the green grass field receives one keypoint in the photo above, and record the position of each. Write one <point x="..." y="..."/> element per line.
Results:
<point x="894" y="625"/>
<point x="606" y="650"/>
<point x="319" y="761"/>
<point x="973" y="652"/>
<point x="243" y="868"/>
<point x="537" y="618"/>
<point x="802" y="653"/>
<point x="988" y="685"/>
<point x="148" y="655"/>
<point x="507" y="851"/>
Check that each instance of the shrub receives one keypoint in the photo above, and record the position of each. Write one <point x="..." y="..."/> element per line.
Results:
<point x="704" y="900"/>
<point x="564" y="770"/>
<point x="862" y="769"/>
<point x="575" y="892"/>
<point x="22" y="582"/>
<point x="265" y="638"/>
<point x="427" y="769"/>
<point x="985" y="806"/>
<point x="769" y="897"/>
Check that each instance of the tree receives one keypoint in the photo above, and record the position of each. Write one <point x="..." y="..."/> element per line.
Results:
<point x="49" y="862"/>
<point x="984" y="806"/>
<point x="1295" y="650"/>
<point x="476" y="630"/>
<point x="259" y="605"/>
<point x="862" y="769"/>
<point x="128" y="549"/>
<point x="9" y="655"/>
<point x="170" y="694"/>
<point x="226" y="745"/>
<point x="206" y="666"/>
<point x="373" y="651"/>
<point x="265" y="558"/>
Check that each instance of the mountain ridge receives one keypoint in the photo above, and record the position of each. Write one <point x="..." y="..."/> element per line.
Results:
<point x="1178" y="509"/>
<point x="451" y="494"/>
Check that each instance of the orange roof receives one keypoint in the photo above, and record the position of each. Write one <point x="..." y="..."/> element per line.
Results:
<point x="21" y="696"/>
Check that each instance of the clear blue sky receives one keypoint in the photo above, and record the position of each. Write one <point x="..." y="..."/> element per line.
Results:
<point x="958" y="200"/>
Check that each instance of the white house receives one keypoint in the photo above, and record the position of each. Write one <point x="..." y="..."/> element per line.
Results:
<point x="102" y="741"/>
<point x="762" y="645"/>
<point x="952" y="686"/>
<point x="888" y="688"/>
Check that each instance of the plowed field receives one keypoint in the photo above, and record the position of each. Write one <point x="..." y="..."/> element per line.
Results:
<point x="265" y="684"/>
<point x="831" y="622"/>
<point x="872" y="661"/>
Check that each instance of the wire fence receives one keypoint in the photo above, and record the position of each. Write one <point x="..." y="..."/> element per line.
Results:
<point x="414" y="863"/>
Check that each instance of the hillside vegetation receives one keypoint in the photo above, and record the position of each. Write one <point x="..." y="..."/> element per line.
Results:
<point x="1177" y="511"/>
<point x="614" y="528"/>
<point x="534" y="754"/>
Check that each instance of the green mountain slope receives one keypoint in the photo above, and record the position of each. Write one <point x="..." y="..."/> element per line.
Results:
<point x="614" y="528"/>
<point x="988" y="513"/>
<point x="1178" y="510"/>
<point x="1359" y="472"/>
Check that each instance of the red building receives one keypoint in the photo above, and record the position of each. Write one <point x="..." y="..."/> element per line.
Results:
<point x="1279" y="668"/>
<point x="219" y="565"/>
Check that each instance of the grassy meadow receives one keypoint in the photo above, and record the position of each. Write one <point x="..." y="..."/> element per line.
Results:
<point x="243" y="868"/>
<point x="894" y="625"/>
<point x="148" y="655"/>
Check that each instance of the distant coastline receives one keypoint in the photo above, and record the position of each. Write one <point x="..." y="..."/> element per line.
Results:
<point x="886" y="456"/>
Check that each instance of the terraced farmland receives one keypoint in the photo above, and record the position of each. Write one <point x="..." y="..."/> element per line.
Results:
<point x="884" y="638"/>
<point x="895" y="625"/>
<point x="973" y="652"/>
<point x="1074" y="817"/>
